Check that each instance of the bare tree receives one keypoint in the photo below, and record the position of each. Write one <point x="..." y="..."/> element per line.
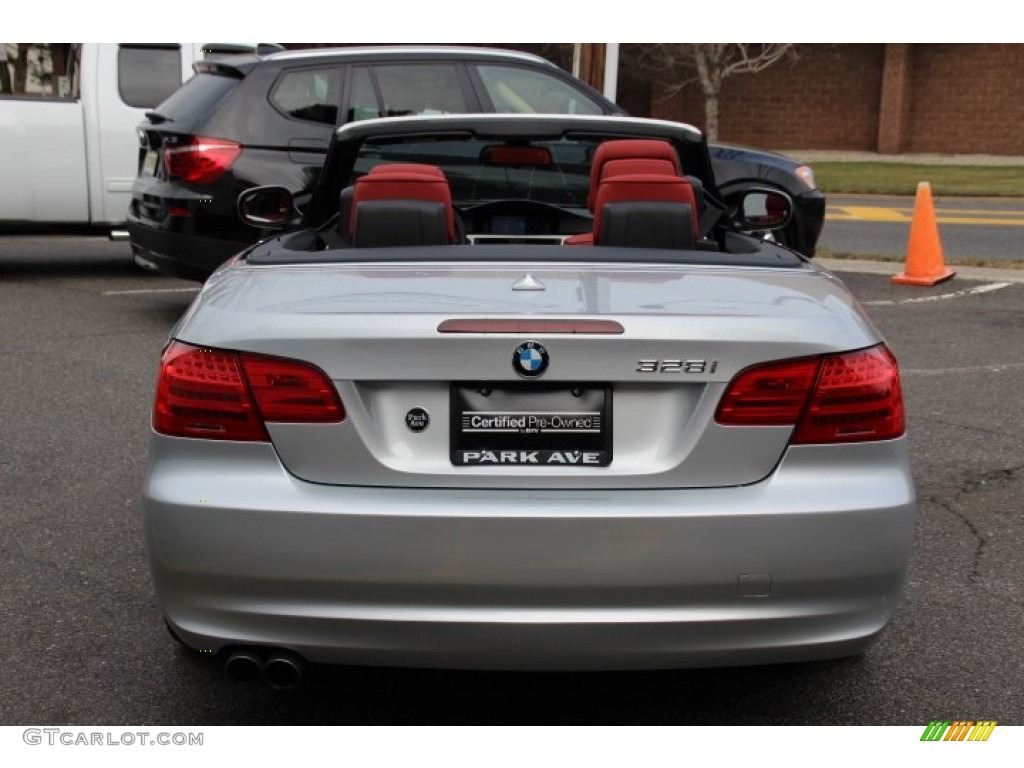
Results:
<point x="716" y="62"/>
<point x="707" y="64"/>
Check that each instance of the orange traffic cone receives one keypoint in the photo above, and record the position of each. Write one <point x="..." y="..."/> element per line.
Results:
<point x="925" y="265"/>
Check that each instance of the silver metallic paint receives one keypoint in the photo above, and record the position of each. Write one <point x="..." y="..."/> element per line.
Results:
<point x="244" y="553"/>
<point x="360" y="543"/>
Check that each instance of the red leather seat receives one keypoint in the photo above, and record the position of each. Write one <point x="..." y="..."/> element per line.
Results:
<point x="629" y="156"/>
<point x="626" y="157"/>
<point x="405" y="182"/>
<point x="391" y="169"/>
<point x="646" y="191"/>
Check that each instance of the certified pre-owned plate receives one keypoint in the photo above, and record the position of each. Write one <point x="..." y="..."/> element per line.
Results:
<point x="542" y="425"/>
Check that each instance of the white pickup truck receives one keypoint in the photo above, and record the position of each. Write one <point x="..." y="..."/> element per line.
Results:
<point x="68" y="147"/>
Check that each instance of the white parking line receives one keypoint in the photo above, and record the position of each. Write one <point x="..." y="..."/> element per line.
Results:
<point x="998" y="368"/>
<point x="151" y="290"/>
<point x="941" y="297"/>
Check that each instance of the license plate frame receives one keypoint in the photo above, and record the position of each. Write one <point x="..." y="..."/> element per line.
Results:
<point x="535" y="425"/>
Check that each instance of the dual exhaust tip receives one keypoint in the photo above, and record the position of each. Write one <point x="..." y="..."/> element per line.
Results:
<point x="282" y="670"/>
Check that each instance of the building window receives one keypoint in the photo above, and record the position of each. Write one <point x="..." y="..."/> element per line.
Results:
<point x="40" y="70"/>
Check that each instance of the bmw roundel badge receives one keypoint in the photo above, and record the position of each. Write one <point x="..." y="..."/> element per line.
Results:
<point x="530" y="359"/>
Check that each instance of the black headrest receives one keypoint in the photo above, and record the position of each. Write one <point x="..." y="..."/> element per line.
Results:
<point x="384" y="223"/>
<point x="698" y="193"/>
<point x="345" y="208"/>
<point x="648" y="224"/>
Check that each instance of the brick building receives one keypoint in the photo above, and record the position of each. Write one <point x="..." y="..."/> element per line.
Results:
<point x="890" y="98"/>
<point x="875" y="97"/>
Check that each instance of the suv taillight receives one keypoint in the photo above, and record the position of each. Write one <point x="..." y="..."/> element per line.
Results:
<point x="220" y="395"/>
<point x="845" y="398"/>
<point x="200" y="159"/>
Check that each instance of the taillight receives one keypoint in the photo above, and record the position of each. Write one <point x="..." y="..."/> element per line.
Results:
<point x="219" y="395"/>
<point x="843" y="398"/>
<point x="768" y="394"/>
<point x="200" y="159"/>
<point x="857" y="398"/>
<point x="287" y="390"/>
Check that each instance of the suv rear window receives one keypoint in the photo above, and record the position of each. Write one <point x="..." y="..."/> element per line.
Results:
<point x="197" y="97"/>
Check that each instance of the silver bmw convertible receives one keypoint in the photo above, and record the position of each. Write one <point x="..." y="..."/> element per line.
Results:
<point x="524" y="392"/>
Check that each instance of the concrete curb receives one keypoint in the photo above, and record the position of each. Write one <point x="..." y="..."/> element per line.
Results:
<point x="867" y="267"/>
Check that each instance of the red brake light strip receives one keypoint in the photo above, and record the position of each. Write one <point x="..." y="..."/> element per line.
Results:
<point x="472" y="325"/>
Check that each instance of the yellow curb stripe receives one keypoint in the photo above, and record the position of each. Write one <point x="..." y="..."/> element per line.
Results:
<point x="903" y="215"/>
<point x="868" y="213"/>
<point x="995" y="212"/>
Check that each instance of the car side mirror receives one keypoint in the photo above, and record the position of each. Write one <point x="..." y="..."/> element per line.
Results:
<point x="267" y="207"/>
<point x="762" y="209"/>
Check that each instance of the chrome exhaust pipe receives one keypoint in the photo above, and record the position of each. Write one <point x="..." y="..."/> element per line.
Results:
<point x="244" y="666"/>
<point x="283" y="670"/>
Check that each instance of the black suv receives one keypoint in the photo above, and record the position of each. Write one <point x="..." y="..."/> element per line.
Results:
<point x="253" y="120"/>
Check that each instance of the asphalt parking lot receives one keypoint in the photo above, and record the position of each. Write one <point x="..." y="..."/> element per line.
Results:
<point x="82" y="639"/>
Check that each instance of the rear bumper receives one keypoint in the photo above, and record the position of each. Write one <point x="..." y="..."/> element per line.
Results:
<point x="806" y="564"/>
<point x="175" y="253"/>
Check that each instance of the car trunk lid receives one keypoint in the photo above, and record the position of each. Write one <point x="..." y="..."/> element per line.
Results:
<point x="412" y="390"/>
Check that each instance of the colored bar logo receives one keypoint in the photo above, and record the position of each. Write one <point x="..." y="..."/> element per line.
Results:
<point x="958" y="730"/>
